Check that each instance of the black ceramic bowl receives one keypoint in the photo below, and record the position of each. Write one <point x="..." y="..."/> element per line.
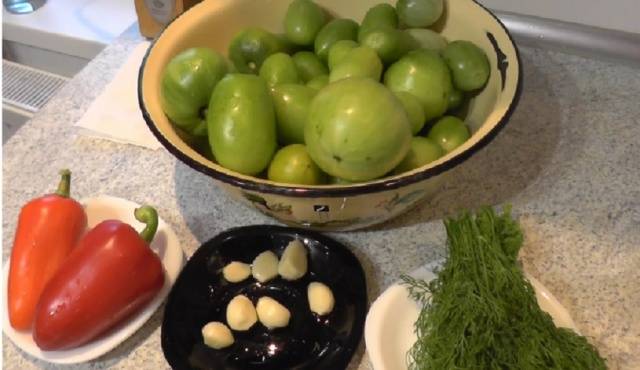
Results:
<point x="201" y="295"/>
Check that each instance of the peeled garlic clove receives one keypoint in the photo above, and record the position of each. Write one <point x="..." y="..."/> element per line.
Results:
<point x="293" y="264"/>
<point x="241" y="315"/>
<point x="217" y="335"/>
<point x="265" y="266"/>
<point x="236" y="271"/>
<point x="272" y="314"/>
<point x="320" y="297"/>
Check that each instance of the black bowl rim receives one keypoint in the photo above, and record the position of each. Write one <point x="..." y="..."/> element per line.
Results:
<point x="333" y="191"/>
<point x="359" y="322"/>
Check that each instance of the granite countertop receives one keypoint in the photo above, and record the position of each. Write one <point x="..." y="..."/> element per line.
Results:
<point x="568" y="161"/>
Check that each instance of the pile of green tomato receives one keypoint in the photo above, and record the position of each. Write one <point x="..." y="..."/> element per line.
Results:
<point x="330" y="101"/>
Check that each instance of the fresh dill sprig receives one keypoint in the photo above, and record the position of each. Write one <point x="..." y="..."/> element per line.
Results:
<point x="481" y="312"/>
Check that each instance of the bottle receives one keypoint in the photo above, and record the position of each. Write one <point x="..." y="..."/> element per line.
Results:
<point x="154" y="15"/>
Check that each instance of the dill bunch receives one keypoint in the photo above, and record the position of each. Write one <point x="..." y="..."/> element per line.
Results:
<point x="481" y="312"/>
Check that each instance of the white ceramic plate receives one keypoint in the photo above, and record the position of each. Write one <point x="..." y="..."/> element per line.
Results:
<point x="165" y="244"/>
<point x="388" y="331"/>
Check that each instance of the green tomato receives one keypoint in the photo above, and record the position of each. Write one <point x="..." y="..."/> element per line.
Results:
<point x="359" y="62"/>
<point x="455" y="99"/>
<point x="242" y="124"/>
<point x="449" y="132"/>
<point x="427" y="39"/>
<point x="187" y="83"/>
<point x="339" y="50"/>
<point x="389" y="43"/>
<point x="293" y="165"/>
<point x="468" y="63"/>
<point x="336" y="30"/>
<point x="318" y="82"/>
<point x="379" y="16"/>
<point x="291" y="103"/>
<point x="309" y="65"/>
<point x="201" y="145"/>
<point x="419" y="13"/>
<point x="303" y="21"/>
<point x="279" y="68"/>
<point x="338" y="181"/>
<point x="357" y="129"/>
<point x="423" y="151"/>
<point x="414" y="110"/>
<point x="251" y="46"/>
<point x="424" y="74"/>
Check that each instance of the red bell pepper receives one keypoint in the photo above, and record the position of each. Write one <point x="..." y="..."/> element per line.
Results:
<point x="48" y="229"/>
<point x="110" y="276"/>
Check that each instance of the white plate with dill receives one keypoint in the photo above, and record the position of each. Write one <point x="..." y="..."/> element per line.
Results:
<point x="475" y="310"/>
<point x="389" y="330"/>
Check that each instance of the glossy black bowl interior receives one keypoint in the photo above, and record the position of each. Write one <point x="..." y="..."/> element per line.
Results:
<point x="201" y="295"/>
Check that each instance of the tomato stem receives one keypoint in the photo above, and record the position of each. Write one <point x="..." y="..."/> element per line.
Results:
<point x="64" y="187"/>
<point x="147" y="215"/>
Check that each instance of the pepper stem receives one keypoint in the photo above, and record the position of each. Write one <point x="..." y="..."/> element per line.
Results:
<point x="64" y="187"/>
<point x="147" y="215"/>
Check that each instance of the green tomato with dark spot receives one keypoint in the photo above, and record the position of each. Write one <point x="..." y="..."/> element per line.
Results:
<point x="427" y="39"/>
<point x="424" y="74"/>
<point x="419" y="13"/>
<point x="414" y="110"/>
<point x="359" y="62"/>
<point x="318" y="82"/>
<point x="187" y="83"/>
<point x="338" y="51"/>
<point x="242" y="124"/>
<point x="309" y="65"/>
<point x="423" y="151"/>
<point x="468" y="63"/>
<point x="449" y="132"/>
<point x="357" y="129"/>
<point x="251" y="46"/>
<point x="279" y="68"/>
<point x="293" y="165"/>
<point x="291" y="102"/>
<point x="336" y="30"/>
<point x="302" y="22"/>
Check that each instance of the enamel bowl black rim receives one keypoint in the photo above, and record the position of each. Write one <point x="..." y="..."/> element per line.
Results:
<point x="337" y="191"/>
<point x="200" y="294"/>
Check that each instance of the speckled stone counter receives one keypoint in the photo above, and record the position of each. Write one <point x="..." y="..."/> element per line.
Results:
<point x="568" y="161"/>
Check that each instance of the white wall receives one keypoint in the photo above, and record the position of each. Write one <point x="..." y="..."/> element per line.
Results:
<point x="622" y="15"/>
